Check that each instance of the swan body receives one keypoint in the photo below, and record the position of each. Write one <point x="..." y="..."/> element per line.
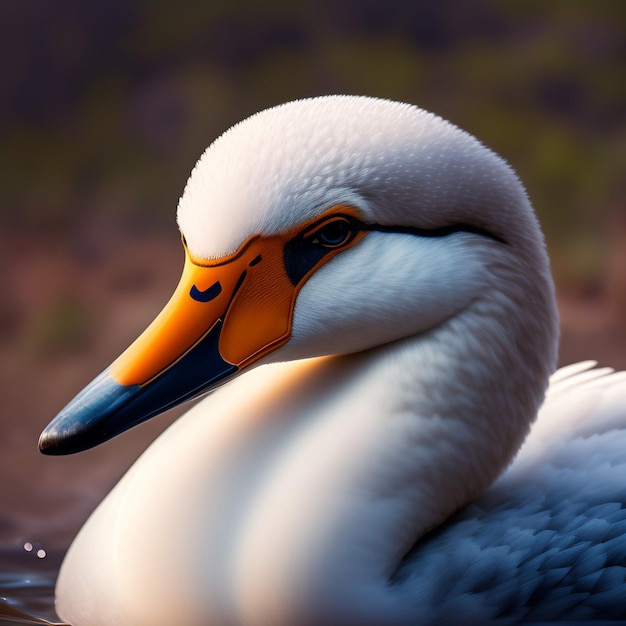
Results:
<point x="381" y="379"/>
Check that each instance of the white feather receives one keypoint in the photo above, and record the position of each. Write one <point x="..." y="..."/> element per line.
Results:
<point x="317" y="491"/>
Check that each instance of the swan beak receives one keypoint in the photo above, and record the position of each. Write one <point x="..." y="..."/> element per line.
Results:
<point x="223" y="316"/>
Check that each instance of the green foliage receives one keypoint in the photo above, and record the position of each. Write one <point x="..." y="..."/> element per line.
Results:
<point x="542" y="83"/>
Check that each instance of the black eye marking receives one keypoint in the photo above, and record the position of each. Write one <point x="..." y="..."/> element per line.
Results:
<point x="257" y="259"/>
<point x="210" y="293"/>
<point x="439" y="231"/>
<point x="306" y="250"/>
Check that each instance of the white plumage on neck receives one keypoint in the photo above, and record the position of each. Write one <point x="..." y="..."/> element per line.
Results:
<point x="310" y="481"/>
<point x="293" y="494"/>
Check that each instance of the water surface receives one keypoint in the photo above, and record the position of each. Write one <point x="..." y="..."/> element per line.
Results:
<point x="27" y="585"/>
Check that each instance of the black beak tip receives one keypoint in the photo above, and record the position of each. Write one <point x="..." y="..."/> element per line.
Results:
<point x="106" y="408"/>
<point x="54" y="442"/>
<point x="47" y="443"/>
<point x="86" y="421"/>
<point x="51" y="445"/>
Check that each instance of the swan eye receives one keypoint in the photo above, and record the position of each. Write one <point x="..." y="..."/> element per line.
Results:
<point x="334" y="233"/>
<point x="322" y="240"/>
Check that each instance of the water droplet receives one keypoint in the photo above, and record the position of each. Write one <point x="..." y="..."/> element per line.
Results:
<point x="41" y="553"/>
<point x="28" y="546"/>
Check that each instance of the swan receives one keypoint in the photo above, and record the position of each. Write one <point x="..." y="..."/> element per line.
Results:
<point x="366" y="293"/>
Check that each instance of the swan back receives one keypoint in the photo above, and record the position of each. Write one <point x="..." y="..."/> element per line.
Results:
<point x="545" y="543"/>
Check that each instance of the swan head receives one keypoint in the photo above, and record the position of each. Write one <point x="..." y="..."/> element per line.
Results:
<point x="331" y="226"/>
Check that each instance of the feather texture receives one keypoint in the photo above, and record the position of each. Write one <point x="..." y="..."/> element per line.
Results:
<point x="349" y="478"/>
<point x="547" y="542"/>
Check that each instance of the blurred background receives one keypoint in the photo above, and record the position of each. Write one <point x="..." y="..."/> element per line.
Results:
<point x="106" y="105"/>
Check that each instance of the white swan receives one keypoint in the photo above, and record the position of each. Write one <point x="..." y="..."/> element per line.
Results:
<point x="305" y="492"/>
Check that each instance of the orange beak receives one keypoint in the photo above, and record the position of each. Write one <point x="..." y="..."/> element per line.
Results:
<point x="224" y="315"/>
<point x="249" y="292"/>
